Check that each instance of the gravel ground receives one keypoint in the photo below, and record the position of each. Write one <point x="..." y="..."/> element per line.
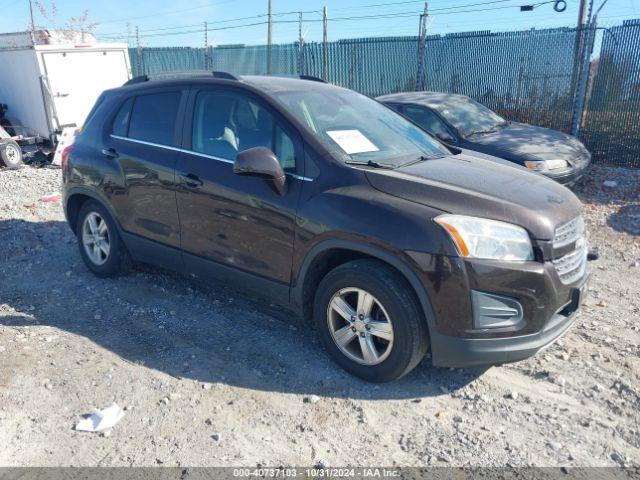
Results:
<point x="209" y="377"/>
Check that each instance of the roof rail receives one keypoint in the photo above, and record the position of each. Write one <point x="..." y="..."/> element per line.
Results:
<point x="139" y="79"/>
<point x="169" y="75"/>
<point x="312" y="78"/>
<point x="224" y="75"/>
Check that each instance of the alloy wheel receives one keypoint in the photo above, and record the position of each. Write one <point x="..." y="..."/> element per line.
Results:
<point x="360" y="326"/>
<point x="95" y="238"/>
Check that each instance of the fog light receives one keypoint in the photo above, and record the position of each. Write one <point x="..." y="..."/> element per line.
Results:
<point x="494" y="311"/>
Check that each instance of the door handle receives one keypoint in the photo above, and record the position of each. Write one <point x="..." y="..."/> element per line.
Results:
<point x="110" y="153"/>
<point x="191" y="180"/>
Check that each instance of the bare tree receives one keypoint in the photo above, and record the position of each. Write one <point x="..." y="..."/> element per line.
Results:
<point x="69" y="28"/>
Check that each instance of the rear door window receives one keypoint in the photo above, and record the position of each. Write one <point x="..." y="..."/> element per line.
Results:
<point x="153" y="118"/>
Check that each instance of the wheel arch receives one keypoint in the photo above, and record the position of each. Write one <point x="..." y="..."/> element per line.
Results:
<point x="329" y="254"/>
<point x="78" y="196"/>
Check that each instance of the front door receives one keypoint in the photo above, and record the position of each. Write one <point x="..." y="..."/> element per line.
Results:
<point x="238" y="222"/>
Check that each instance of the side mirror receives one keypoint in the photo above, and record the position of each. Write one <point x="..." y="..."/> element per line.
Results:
<point x="261" y="162"/>
<point x="445" y="137"/>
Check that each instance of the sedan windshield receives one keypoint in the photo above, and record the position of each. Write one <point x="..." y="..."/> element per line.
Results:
<point x="468" y="116"/>
<point x="360" y="130"/>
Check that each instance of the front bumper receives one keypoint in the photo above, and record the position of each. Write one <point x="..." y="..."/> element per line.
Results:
<point x="448" y="351"/>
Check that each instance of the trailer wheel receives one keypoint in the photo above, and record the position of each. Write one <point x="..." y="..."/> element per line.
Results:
<point x="11" y="154"/>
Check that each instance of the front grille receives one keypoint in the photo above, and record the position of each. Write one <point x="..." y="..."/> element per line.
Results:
<point x="569" y="232"/>
<point x="572" y="266"/>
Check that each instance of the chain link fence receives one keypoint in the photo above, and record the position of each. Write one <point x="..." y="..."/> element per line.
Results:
<point x="611" y="119"/>
<point x="527" y="76"/>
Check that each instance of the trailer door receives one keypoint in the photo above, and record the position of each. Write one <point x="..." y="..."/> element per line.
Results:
<point x="78" y="77"/>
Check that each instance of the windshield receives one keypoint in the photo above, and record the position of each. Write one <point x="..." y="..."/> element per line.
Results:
<point x="359" y="129"/>
<point x="468" y="116"/>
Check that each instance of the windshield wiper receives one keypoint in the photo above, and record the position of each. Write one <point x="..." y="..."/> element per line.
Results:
<point x="370" y="163"/>
<point x="493" y="129"/>
<point x="421" y="158"/>
<point x="481" y="132"/>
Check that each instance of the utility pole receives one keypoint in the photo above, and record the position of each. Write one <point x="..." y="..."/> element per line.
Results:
<point x="583" y="12"/>
<point x="33" y="24"/>
<point x="269" y="38"/>
<point x="206" y="46"/>
<point x="325" y="46"/>
<point x="300" y="46"/>
<point x="580" y="45"/>
<point x="585" y="71"/>
<point x="422" y="41"/>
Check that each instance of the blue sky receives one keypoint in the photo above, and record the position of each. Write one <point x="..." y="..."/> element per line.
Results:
<point x="168" y="23"/>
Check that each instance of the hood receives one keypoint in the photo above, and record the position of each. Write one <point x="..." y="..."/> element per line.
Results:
<point x="520" y="142"/>
<point x="468" y="185"/>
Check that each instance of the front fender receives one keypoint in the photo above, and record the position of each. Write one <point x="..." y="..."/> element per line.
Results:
<point x="396" y="259"/>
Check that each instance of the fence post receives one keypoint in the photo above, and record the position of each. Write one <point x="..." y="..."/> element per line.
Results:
<point x="139" y="67"/>
<point x="269" y="39"/>
<point x="325" y="47"/>
<point x="422" y="45"/>
<point x="300" y="46"/>
<point x="206" y="47"/>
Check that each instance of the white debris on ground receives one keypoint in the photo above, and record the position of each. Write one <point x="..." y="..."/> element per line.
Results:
<point x="213" y="378"/>
<point x="99" y="420"/>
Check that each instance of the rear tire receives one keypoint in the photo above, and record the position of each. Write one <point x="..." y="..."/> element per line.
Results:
<point x="369" y="320"/>
<point x="11" y="154"/>
<point x="101" y="247"/>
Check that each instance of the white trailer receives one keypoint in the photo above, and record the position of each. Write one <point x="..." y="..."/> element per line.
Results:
<point x="48" y="87"/>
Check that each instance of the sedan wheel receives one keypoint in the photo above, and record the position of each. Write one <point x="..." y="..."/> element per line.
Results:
<point x="360" y="326"/>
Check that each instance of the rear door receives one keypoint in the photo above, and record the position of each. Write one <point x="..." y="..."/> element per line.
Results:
<point x="237" y="221"/>
<point x="144" y="142"/>
<point x="78" y="77"/>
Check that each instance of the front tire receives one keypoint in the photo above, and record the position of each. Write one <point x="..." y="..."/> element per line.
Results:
<point x="369" y="320"/>
<point x="101" y="247"/>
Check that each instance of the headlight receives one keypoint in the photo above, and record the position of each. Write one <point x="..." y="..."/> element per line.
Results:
<point x="482" y="238"/>
<point x="546" y="165"/>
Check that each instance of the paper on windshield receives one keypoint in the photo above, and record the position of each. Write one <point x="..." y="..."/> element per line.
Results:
<point x="352" y="141"/>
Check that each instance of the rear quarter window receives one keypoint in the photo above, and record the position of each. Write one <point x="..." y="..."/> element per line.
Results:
<point x="121" y="121"/>
<point x="153" y="118"/>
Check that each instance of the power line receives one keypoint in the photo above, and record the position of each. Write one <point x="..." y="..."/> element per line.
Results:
<point x="442" y="11"/>
<point x="348" y="18"/>
<point x="405" y="2"/>
<point x="217" y="22"/>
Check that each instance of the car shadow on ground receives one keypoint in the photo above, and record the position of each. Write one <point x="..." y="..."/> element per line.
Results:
<point x="164" y="321"/>
<point x="626" y="219"/>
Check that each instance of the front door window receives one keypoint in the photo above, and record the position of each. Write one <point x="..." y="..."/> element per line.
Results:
<point x="226" y="123"/>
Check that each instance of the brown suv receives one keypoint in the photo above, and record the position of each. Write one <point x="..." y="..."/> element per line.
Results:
<point x="319" y="197"/>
